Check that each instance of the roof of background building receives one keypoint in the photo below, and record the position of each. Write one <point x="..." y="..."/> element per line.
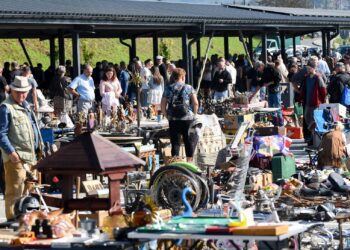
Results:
<point x="139" y="18"/>
<point x="298" y="11"/>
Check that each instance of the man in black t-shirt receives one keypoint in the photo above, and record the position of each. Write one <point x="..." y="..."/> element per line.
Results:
<point x="271" y="80"/>
<point x="337" y="83"/>
<point x="222" y="78"/>
<point x="253" y="78"/>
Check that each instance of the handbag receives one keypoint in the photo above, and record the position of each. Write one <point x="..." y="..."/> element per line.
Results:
<point x="66" y="93"/>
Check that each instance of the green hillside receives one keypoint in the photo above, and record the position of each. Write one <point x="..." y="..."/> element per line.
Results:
<point x="94" y="50"/>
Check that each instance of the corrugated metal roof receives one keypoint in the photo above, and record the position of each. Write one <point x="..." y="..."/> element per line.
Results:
<point x="297" y="11"/>
<point x="123" y="12"/>
<point x="125" y="8"/>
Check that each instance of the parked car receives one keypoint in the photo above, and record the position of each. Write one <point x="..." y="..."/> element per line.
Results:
<point x="290" y="53"/>
<point x="311" y="51"/>
<point x="343" y="49"/>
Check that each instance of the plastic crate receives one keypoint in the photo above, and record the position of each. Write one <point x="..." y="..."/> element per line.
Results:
<point x="283" y="167"/>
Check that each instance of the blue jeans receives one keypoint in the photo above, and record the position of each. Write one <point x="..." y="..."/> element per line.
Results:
<point x="144" y="98"/>
<point x="220" y="95"/>
<point x="274" y="100"/>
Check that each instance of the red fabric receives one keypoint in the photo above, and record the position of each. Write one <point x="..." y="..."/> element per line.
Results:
<point x="318" y="96"/>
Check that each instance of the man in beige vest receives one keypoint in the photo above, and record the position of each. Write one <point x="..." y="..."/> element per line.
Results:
<point x="20" y="141"/>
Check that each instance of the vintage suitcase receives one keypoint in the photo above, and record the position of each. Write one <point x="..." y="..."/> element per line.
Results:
<point x="283" y="167"/>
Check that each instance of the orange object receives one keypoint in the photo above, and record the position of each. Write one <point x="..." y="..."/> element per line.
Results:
<point x="295" y="132"/>
<point x="270" y="230"/>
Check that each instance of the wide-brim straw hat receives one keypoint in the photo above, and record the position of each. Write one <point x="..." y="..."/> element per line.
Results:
<point x="21" y="84"/>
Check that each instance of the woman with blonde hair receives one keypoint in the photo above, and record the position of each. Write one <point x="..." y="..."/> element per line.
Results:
<point x="110" y="90"/>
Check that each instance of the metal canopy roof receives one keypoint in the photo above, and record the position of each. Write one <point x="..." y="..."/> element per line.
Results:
<point x="122" y="18"/>
<point x="298" y="11"/>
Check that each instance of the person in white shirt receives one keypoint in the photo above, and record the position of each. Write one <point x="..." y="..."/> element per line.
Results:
<point x="230" y="67"/>
<point x="83" y="88"/>
<point x="146" y="76"/>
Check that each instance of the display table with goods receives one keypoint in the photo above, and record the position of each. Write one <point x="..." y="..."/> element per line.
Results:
<point x="241" y="193"/>
<point x="215" y="230"/>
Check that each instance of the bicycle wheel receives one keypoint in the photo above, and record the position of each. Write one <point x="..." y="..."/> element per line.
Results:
<point x="204" y="194"/>
<point x="167" y="186"/>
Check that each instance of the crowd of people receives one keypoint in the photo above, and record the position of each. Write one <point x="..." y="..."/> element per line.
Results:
<point x="162" y="84"/>
<point x="110" y="83"/>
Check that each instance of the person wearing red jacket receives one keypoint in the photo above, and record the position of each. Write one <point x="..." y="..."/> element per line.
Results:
<point x="313" y="93"/>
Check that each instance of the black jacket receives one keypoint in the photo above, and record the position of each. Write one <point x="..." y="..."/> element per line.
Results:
<point x="270" y="74"/>
<point x="224" y="75"/>
<point x="336" y="86"/>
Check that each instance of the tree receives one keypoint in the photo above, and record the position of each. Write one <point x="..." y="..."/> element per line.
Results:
<point x="87" y="55"/>
<point x="287" y="3"/>
<point x="165" y="47"/>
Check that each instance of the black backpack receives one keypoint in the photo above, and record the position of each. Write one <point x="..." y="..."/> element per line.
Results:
<point x="178" y="105"/>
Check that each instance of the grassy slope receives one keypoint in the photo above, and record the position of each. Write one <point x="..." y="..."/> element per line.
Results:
<point x="104" y="49"/>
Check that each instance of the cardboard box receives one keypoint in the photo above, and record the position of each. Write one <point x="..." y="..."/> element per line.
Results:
<point x="295" y="132"/>
<point x="340" y="109"/>
<point x="257" y="182"/>
<point x="97" y="216"/>
<point x="235" y="121"/>
<point x="267" y="179"/>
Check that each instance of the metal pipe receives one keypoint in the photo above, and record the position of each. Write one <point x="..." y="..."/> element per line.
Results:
<point x="76" y="53"/>
<point x="155" y="46"/>
<point x="250" y="39"/>
<point x="205" y="61"/>
<point x="324" y="45"/>
<point x="190" y="65"/>
<point x="226" y="46"/>
<point x="185" y="55"/>
<point x="198" y="49"/>
<point x="294" y="46"/>
<point x="283" y="46"/>
<point x="241" y="38"/>
<point x="133" y="48"/>
<point x="264" y="48"/>
<point x="52" y="52"/>
<point x="127" y="45"/>
<point x="25" y="52"/>
<point x="61" y="51"/>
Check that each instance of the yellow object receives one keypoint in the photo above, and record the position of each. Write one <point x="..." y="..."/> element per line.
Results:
<point x="110" y="222"/>
<point x="242" y="220"/>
